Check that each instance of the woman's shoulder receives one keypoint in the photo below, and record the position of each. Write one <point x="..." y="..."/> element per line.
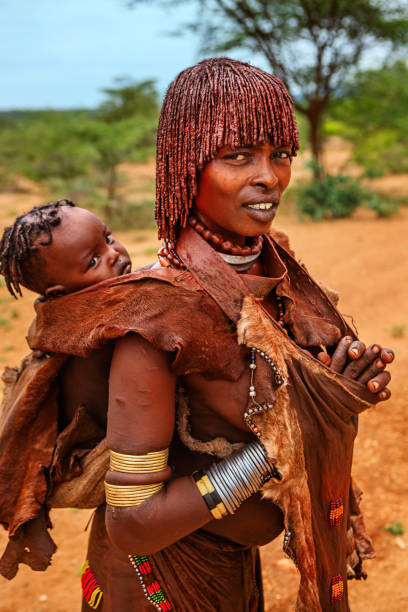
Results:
<point x="158" y="303"/>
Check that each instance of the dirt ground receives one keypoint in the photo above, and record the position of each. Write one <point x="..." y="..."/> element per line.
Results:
<point x="365" y="259"/>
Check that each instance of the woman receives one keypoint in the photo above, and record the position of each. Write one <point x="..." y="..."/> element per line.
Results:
<point x="226" y="138"/>
<point x="232" y="334"/>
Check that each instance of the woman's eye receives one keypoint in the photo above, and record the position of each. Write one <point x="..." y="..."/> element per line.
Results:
<point x="93" y="262"/>
<point x="109" y="238"/>
<point x="236" y="156"/>
<point x="281" y="155"/>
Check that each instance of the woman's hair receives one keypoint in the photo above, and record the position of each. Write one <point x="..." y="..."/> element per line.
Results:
<point x="219" y="102"/>
<point x="18" y="251"/>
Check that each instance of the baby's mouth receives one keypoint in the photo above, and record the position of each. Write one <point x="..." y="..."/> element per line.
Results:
<point x="126" y="268"/>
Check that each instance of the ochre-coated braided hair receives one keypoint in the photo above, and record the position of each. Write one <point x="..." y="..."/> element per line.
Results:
<point x="18" y="262"/>
<point x="219" y="102"/>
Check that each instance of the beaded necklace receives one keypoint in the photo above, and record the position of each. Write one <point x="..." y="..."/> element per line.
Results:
<point x="241" y="258"/>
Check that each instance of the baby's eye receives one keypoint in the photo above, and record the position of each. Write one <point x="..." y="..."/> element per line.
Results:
<point x="93" y="262"/>
<point x="109" y="238"/>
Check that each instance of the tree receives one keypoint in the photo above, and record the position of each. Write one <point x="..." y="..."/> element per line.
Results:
<point x="377" y="100"/>
<point x="312" y="45"/>
<point x="124" y="128"/>
<point x="129" y="99"/>
<point x="82" y="146"/>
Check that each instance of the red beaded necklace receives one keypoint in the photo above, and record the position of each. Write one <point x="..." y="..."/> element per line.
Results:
<point x="168" y="255"/>
<point x="226" y="245"/>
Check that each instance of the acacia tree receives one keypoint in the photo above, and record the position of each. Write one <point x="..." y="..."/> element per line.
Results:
<point x="312" y="45"/>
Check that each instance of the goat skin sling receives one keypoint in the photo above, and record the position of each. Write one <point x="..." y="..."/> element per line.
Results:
<point x="308" y="433"/>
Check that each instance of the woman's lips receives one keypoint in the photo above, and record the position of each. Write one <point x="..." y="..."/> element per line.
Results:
<point x="262" y="211"/>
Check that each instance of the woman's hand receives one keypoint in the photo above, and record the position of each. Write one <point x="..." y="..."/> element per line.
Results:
<point x="367" y="365"/>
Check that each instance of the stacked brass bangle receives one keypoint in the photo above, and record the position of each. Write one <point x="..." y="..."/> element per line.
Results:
<point x="134" y="495"/>
<point x="127" y="495"/>
<point x="139" y="464"/>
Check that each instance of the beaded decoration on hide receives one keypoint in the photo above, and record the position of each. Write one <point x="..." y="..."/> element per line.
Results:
<point x="91" y="591"/>
<point x="255" y="407"/>
<point x="151" y="587"/>
<point x="336" y="512"/>
<point x="336" y="588"/>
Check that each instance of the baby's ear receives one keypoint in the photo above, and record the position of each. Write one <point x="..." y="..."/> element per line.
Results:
<point x="55" y="291"/>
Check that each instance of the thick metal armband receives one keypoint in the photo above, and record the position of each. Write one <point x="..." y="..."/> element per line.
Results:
<point x="228" y="483"/>
<point x="134" y="495"/>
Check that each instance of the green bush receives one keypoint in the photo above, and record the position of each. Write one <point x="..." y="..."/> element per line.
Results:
<point x="331" y="197"/>
<point x="337" y="197"/>
<point x="383" y="208"/>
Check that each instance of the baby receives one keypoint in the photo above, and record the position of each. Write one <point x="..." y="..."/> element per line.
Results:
<point x="59" y="248"/>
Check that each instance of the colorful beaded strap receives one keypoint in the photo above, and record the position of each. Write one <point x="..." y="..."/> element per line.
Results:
<point x="152" y="591"/>
<point x="91" y="590"/>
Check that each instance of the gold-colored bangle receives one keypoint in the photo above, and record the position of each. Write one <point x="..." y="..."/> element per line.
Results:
<point x="130" y="495"/>
<point x="139" y="464"/>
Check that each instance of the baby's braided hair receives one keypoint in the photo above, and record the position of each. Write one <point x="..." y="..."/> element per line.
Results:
<point x="17" y="243"/>
<point x="219" y="102"/>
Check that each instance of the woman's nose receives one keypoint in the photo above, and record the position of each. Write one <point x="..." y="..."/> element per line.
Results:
<point x="264" y="175"/>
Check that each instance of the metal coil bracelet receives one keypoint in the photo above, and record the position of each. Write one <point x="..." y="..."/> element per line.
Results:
<point x="235" y="479"/>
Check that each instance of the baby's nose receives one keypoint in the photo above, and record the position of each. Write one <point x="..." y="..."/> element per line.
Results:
<point x="113" y="255"/>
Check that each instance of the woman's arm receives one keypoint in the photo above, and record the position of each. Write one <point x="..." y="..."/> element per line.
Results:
<point x="141" y="419"/>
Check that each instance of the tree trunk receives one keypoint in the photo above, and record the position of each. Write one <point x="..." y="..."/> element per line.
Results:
<point x="111" y="192"/>
<point x="112" y="183"/>
<point x="314" y="115"/>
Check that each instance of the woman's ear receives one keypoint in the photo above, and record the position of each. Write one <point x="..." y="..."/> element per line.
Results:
<point x="55" y="291"/>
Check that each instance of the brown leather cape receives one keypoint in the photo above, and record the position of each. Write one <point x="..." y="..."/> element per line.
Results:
<point x="197" y="316"/>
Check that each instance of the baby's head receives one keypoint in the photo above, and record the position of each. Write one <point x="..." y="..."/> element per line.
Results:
<point x="57" y="249"/>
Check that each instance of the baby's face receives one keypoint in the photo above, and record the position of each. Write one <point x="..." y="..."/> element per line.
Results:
<point x="82" y="252"/>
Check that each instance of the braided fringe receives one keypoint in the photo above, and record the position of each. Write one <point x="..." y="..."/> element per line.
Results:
<point x="218" y="102"/>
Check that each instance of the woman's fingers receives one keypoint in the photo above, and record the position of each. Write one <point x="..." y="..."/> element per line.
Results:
<point x="375" y="368"/>
<point x="384" y="394"/>
<point x="324" y="358"/>
<point x="366" y="359"/>
<point x="340" y="356"/>
<point x="387" y="355"/>
<point x="379" y="382"/>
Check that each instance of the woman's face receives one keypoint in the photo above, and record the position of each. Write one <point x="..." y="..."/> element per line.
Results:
<point x="240" y="189"/>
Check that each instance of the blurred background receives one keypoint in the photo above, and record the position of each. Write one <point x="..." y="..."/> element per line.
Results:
<point x="82" y="84"/>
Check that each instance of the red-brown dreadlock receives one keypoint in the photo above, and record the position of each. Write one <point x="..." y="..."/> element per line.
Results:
<point x="218" y="102"/>
<point x="17" y="246"/>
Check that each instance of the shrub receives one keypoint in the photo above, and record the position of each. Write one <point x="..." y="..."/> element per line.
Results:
<point x="383" y="208"/>
<point x="336" y="196"/>
<point x="331" y="197"/>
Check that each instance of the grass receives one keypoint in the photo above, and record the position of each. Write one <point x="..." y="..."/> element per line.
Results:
<point x="396" y="528"/>
<point x="5" y="323"/>
<point x="397" y="330"/>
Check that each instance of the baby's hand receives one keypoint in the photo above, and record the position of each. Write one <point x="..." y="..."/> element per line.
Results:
<point x="367" y="365"/>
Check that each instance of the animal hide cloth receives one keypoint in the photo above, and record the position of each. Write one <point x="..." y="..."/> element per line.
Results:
<point x="308" y="433"/>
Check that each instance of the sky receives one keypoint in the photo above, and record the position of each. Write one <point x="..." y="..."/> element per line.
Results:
<point x="61" y="53"/>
